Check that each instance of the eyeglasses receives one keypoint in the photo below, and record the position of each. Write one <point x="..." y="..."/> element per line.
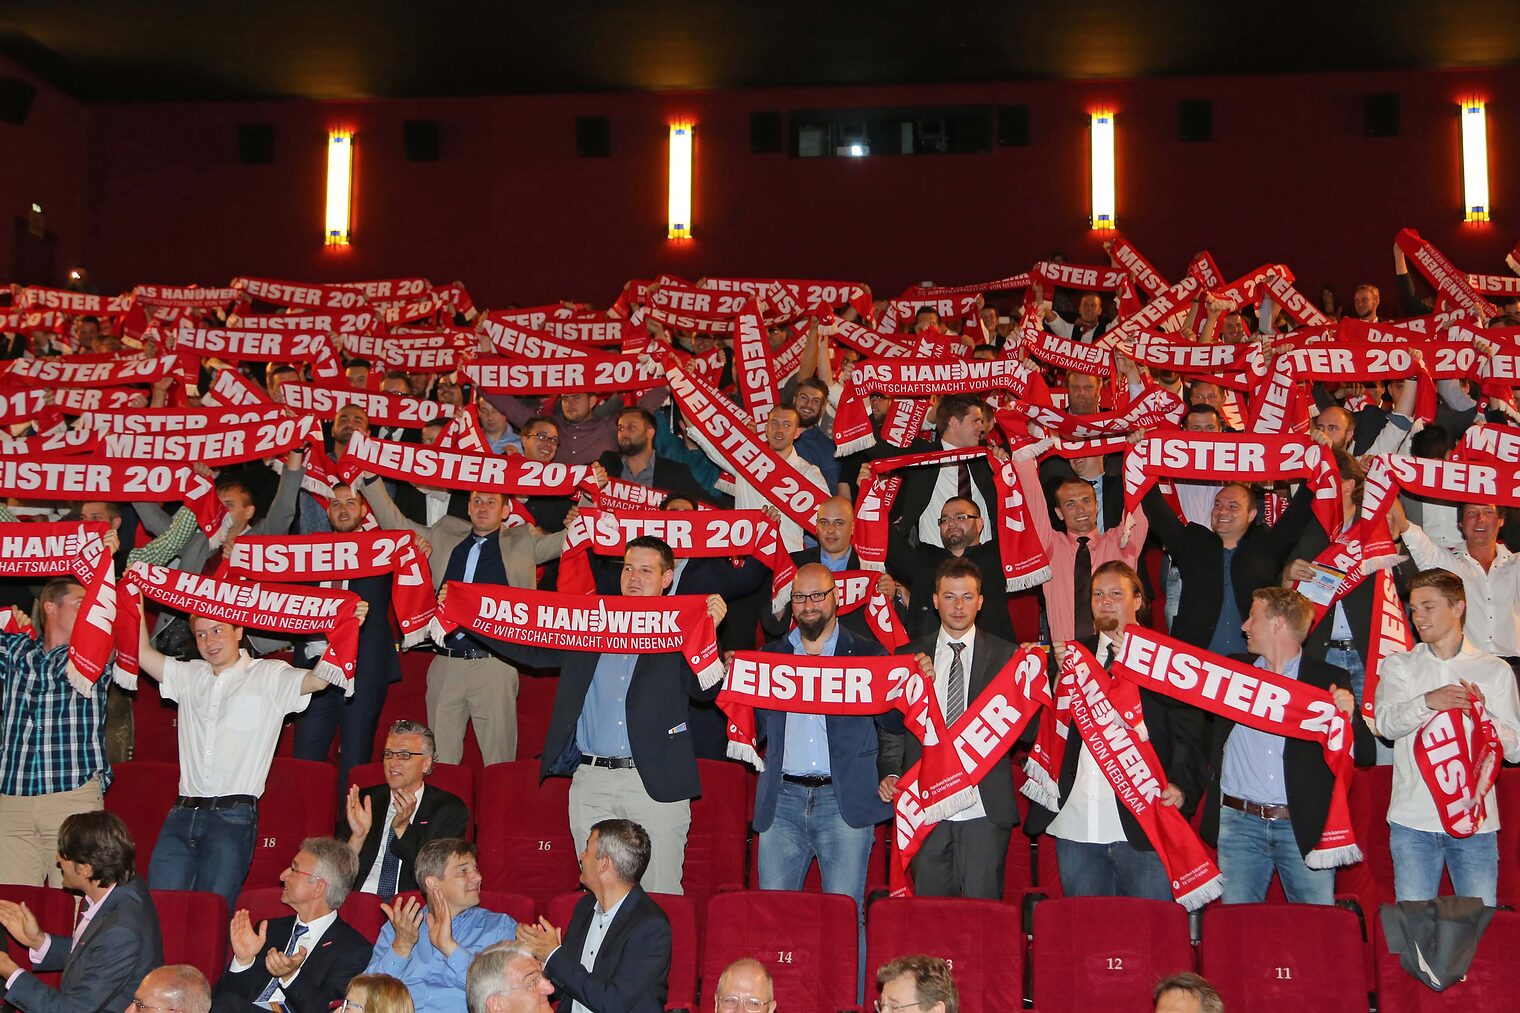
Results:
<point x="815" y="597"/>
<point x="882" y="1006"/>
<point x="404" y="755"/>
<point x="542" y="437"/>
<point x="753" y="1004"/>
<point x="303" y="872"/>
<point x="962" y="518"/>
<point x="348" y="1004"/>
<point x="137" y="1003"/>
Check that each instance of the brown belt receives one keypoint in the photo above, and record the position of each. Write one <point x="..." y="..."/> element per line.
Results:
<point x="1266" y="812"/>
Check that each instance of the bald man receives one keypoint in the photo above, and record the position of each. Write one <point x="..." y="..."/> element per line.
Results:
<point x="177" y="987"/>
<point x="836" y="552"/>
<point x="741" y="985"/>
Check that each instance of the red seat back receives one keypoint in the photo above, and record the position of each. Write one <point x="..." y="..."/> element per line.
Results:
<point x="521" y="907"/>
<point x="1507" y="797"/>
<point x="809" y="942"/>
<point x="719" y="829"/>
<point x="55" y="911"/>
<point x="1371" y="879"/>
<point x="406" y="699"/>
<point x="682" y="985"/>
<point x="523" y="831"/>
<point x="194" y="925"/>
<point x="535" y="704"/>
<point x="1492" y="981"/>
<point x="155" y="725"/>
<point x="1264" y="958"/>
<point x="362" y="911"/>
<point x="980" y="939"/>
<point x="141" y="793"/>
<point x="262" y="904"/>
<point x="300" y="802"/>
<point x="451" y="777"/>
<point x="1105" y="952"/>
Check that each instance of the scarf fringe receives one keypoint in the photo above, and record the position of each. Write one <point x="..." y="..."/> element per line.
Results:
<point x="1029" y="580"/>
<point x="1331" y="858"/>
<point x="126" y="680"/>
<point x="436" y="632"/>
<point x="950" y="805"/>
<point x="333" y="676"/>
<point x="745" y="754"/>
<point x="709" y="676"/>
<point x="1040" y="789"/>
<point x="855" y="446"/>
<point x="418" y="636"/>
<point x="84" y="687"/>
<point x="1198" y="897"/>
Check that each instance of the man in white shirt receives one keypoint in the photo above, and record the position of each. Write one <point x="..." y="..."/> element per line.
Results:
<point x="1102" y="849"/>
<point x="781" y="431"/>
<point x="1490" y="573"/>
<point x="1446" y="672"/>
<point x="231" y="708"/>
<point x="307" y="958"/>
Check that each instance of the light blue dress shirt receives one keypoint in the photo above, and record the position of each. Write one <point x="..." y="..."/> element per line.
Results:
<point x="435" y="981"/>
<point x="1253" y="760"/>
<point x="807" y="735"/>
<point x="602" y="729"/>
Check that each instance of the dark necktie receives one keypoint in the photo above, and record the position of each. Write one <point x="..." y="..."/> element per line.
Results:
<point x="955" y="686"/>
<point x="290" y="947"/>
<point x="1081" y="589"/>
<point x="390" y="866"/>
<point x="963" y="481"/>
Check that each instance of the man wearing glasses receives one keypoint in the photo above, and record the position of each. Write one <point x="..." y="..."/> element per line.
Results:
<point x="961" y="525"/>
<point x="745" y="987"/>
<point x="412" y="813"/>
<point x="306" y="959"/>
<point x="175" y="988"/>
<point x="919" y="983"/>
<point x="507" y="978"/>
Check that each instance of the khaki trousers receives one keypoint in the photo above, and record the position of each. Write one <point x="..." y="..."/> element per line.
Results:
<point x="29" y="832"/>
<point x="479" y="691"/>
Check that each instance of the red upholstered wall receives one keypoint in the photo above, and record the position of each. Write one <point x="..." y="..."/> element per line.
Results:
<point x="512" y="211"/>
<point x="43" y="161"/>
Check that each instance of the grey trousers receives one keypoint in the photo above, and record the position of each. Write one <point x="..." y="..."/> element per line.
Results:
<point x="597" y="793"/>
<point x="962" y="859"/>
<point x="482" y="691"/>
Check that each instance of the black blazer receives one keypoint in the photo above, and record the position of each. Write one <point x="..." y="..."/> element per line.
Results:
<point x="901" y="750"/>
<point x="439" y="814"/>
<point x="339" y="955"/>
<point x="631" y="971"/>
<point x="1055" y="470"/>
<point x="918" y="489"/>
<point x="1198" y="555"/>
<point x="120" y="946"/>
<point x="670" y="475"/>
<point x="658" y="730"/>
<point x="1306" y="776"/>
<point x="1176" y="731"/>
<point x="922" y="563"/>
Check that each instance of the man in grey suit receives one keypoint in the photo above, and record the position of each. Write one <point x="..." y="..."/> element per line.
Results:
<point x="964" y="855"/>
<point x="466" y="682"/>
<point x="117" y="939"/>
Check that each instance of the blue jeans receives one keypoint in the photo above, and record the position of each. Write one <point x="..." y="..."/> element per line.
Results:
<point x="1418" y="856"/>
<point x="1111" y="870"/>
<point x="1251" y="847"/>
<point x="205" y="849"/>
<point x="356" y="716"/>
<point x="1351" y="661"/>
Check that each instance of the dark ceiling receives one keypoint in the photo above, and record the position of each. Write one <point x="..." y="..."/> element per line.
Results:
<point x="190" y="50"/>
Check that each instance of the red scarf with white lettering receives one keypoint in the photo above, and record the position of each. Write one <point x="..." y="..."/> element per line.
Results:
<point x="1281" y="400"/>
<point x="300" y="295"/>
<point x="1460" y="758"/>
<point x="57" y="441"/>
<point x="1106" y="713"/>
<point x="1390" y="475"/>
<point x="1441" y="273"/>
<point x="77" y="549"/>
<point x="1489" y="442"/>
<point x="17" y="406"/>
<point x="903" y="309"/>
<point x="621" y="494"/>
<point x="74" y="303"/>
<point x="592" y="373"/>
<point x="726" y="433"/>
<point x="512" y="339"/>
<point x="1247" y="289"/>
<point x="755" y="373"/>
<point x="980" y="737"/>
<point x="1023" y="558"/>
<point x="1162" y="308"/>
<point x="1155" y="407"/>
<point x="857" y="590"/>
<point x="106" y="370"/>
<point x="1256" y="698"/>
<point x="177" y="420"/>
<point x="695" y="309"/>
<point x="604" y="624"/>
<point x="867" y="342"/>
<point x="65" y="476"/>
<point x="216" y="447"/>
<point x="1293" y="303"/>
<point x="1142" y="270"/>
<point x="1073" y="356"/>
<point x="1239" y="365"/>
<point x="691" y="534"/>
<point x="317" y="558"/>
<point x="1079" y="276"/>
<point x="1229" y="457"/>
<point x="383" y="409"/>
<point x="807" y="293"/>
<point x="454" y="469"/>
<point x="277" y="608"/>
<point x="919" y="379"/>
<point x="231" y="387"/>
<point x="243" y="345"/>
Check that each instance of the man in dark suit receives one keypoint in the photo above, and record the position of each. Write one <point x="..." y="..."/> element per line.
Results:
<point x="354" y="718"/>
<point x="116" y="941"/>
<point x="963" y="856"/>
<point x="411" y="813"/>
<point x="818" y="796"/>
<point x="960" y="422"/>
<point x="634" y="460"/>
<point x="620" y="728"/>
<point x="308" y="957"/>
<point x="1269" y="796"/>
<point x="615" y="955"/>
<point x="961" y="524"/>
<point x="1101" y="849"/>
<point x="395" y="382"/>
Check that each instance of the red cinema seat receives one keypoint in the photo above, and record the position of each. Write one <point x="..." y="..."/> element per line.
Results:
<point x="682" y="992"/>
<point x="1507" y="797"/>
<point x="522" y="908"/>
<point x="1370" y="881"/>
<point x="262" y="903"/>
<point x="55" y="911"/>
<point x="407" y="699"/>
<point x="535" y="702"/>
<point x="299" y="802"/>
<point x="155" y="724"/>
<point x="141" y="793"/>
<point x="715" y="843"/>
<point x="362" y="911"/>
<point x="980" y="939"/>
<point x="1269" y="957"/>
<point x="194" y="925"/>
<point x="809" y="942"/>
<point x="1094" y="953"/>
<point x="523" y="831"/>
<point x="1492" y="982"/>
<point x="455" y="779"/>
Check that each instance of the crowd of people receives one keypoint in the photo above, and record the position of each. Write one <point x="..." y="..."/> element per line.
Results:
<point x="1217" y="546"/>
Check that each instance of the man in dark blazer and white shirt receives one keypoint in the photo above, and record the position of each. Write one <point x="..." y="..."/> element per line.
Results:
<point x="961" y="422"/>
<point x="389" y="823"/>
<point x="615" y="955"/>
<point x="620" y="727"/>
<point x="304" y="960"/>
<point x="117" y="939"/>
<point x="964" y="855"/>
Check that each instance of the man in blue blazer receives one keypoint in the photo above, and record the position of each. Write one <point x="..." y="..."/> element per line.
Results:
<point x="117" y="939"/>
<point x="818" y="795"/>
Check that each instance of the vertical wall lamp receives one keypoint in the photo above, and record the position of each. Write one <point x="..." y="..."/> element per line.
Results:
<point x="1103" y="211"/>
<point x="1475" y="161"/>
<point x="679" y="217"/>
<point x="340" y="173"/>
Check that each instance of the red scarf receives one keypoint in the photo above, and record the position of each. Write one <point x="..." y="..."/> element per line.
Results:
<point x="276" y="608"/>
<point x="363" y="321"/>
<point x="1390" y="475"/>
<point x="591" y="373"/>
<point x="1132" y="260"/>
<point x="1460" y="759"/>
<point x="1162" y="308"/>
<point x="1338" y="363"/>
<point x="1024" y="562"/>
<point x="867" y="342"/>
<point x="605" y="624"/>
<point x="1293" y="303"/>
<point x="74" y="303"/>
<point x="727" y="435"/>
<point x="217" y="448"/>
<point x="1091" y="279"/>
<point x="904" y="424"/>
<point x="1227" y="457"/>
<point x="1106" y="713"/>
<point x="857" y="590"/>
<point x="621" y="494"/>
<point x="1239" y="365"/>
<point x="592" y="329"/>
<point x="58" y="441"/>
<point x="453" y="469"/>
<point x="231" y="387"/>
<point x="1156" y="407"/>
<point x="808" y="294"/>
<point x="691" y="534"/>
<point x="1247" y="289"/>
<point x="903" y="309"/>
<point x="513" y="339"/>
<point x="177" y="420"/>
<point x="78" y="549"/>
<point x="71" y="477"/>
<point x="754" y="371"/>
<point x="240" y="345"/>
<point x="299" y="295"/>
<point x="695" y="309"/>
<point x="185" y="297"/>
<point x="921" y="379"/>
<point x="381" y="408"/>
<point x="1074" y="356"/>
<point x="392" y="347"/>
<point x="317" y="558"/>
<point x="1205" y="270"/>
<point x="1258" y="699"/>
<point x="17" y="406"/>
<point x="1490" y="442"/>
<point x="1440" y="272"/>
<point x="385" y="290"/>
<point x="108" y="370"/>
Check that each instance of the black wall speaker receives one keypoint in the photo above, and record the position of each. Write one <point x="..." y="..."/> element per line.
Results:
<point x="765" y="134"/>
<point x="1013" y="126"/>
<point x="1195" y="119"/>
<point x="593" y="137"/>
<point x="15" y="100"/>
<point x="255" y="143"/>
<point x="1380" y="115"/>
<point x="419" y="140"/>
